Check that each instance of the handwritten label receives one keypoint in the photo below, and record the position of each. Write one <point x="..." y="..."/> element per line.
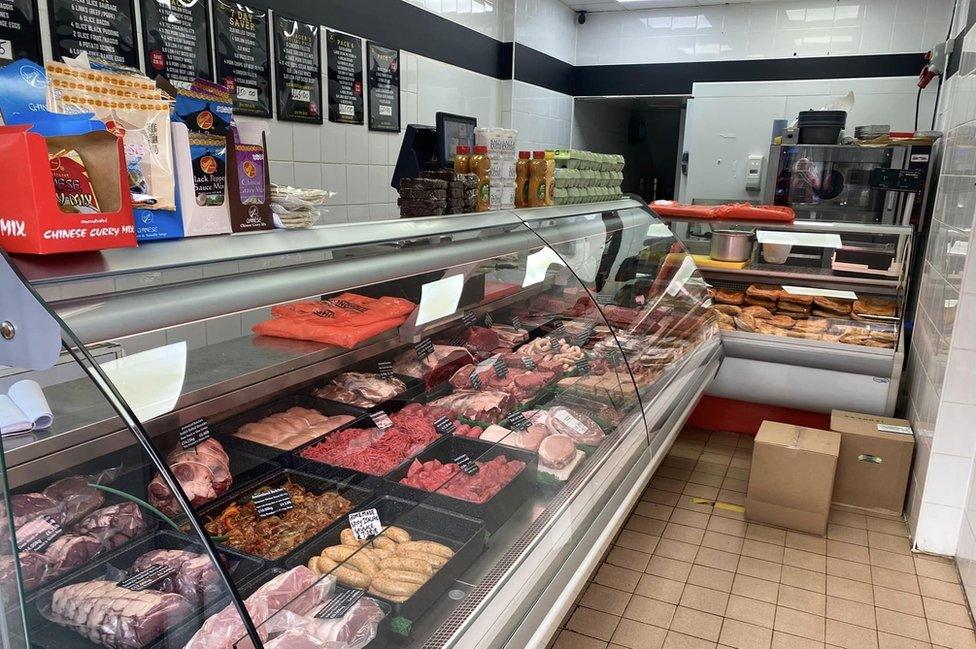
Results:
<point x="381" y="419"/>
<point x="528" y="363"/>
<point x="271" y="503"/>
<point x="488" y="320"/>
<point x="583" y="366"/>
<point x="365" y="524"/>
<point x="444" y="426"/>
<point x="517" y="421"/>
<point x="40" y="541"/>
<point x="424" y="348"/>
<point x="143" y="579"/>
<point x="466" y="464"/>
<point x="516" y="322"/>
<point x="501" y="369"/>
<point x="476" y="380"/>
<point x="194" y="433"/>
<point x="340" y="604"/>
<point x="386" y="369"/>
<point x="469" y="319"/>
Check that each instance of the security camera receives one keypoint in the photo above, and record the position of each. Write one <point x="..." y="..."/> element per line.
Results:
<point x="581" y="17"/>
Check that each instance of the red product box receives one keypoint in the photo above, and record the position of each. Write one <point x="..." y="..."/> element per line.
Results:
<point x="31" y="220"/>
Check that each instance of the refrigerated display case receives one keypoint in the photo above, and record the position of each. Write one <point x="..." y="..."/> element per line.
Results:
<point x="420" y="432"/>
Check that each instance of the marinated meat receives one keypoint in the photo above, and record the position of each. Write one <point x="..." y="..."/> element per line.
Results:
<point x="579" y="427"/>
<point x="360" y="389"/>
<point x="196" y="578"/>
<point x="435" y="368"/>
<point x="292" y="428"/>
<point x="275" y="536"/>
<point x="300" y="589"/>
<point x="375" y="451"/>
<point x="77" y="499"/>
<point x="449" y="480"/>
<point x="557" y="451"/>
<point x="116" y="617"/>
<point x="485" y="405"/>
<point x="113" y="525"/>
<point x="71" y="551"/>
<point x="203" y="472"/>
<point x="522" y="384"/>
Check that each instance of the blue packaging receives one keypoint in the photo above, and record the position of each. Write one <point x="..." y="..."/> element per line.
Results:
<point x="159" y="225"/>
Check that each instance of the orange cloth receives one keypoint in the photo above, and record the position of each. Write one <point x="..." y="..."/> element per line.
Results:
<point x="747" y="212"/>
<point x="672" y="208"/>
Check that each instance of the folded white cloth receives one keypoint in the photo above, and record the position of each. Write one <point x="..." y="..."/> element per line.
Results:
<point x="24" y="408"/>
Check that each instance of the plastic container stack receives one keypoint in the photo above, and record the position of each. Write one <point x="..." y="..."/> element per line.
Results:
<point x="503" y="155"/>
<point x="587" y="177"/>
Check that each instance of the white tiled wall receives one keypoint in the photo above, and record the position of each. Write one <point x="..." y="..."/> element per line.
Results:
<point x="543" y="117"/>
<point x="548" y="26"/>
<point x="782" y="29"/>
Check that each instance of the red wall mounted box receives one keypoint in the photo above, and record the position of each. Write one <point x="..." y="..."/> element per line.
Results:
<point x="30" y="219"/>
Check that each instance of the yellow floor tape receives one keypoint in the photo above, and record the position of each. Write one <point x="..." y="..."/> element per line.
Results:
<point x="718" y="504"/>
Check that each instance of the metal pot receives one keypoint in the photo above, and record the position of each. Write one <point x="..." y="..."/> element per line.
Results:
<point x="731" y="245"/>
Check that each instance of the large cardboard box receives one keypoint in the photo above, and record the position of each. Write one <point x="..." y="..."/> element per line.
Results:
<point x="792" y="477"/>
<point x="875" y="461"/>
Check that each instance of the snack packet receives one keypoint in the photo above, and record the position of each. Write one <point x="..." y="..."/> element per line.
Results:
<point x="72" y="186"/>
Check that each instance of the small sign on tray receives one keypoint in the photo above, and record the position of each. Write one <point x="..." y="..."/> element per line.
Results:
<point x="365" y="524"/>
<point x="528" y="363"/>
<point x="476" y="380"/>
<point x="41" y="541"/>
<point x="466" y="464"/>
<point x="143" y="579"/>
<point x="381" y="419"/>
<point x="614" y="357"/>
<point x="501" y="369"/>
<point x="194" y="433"/>
<point x="516" y="322"/>
<point x="583" y="366"/>
<point x="444" y="425"/>
<point x="424" y="348"/>
<point x="488" y="320"/>
<point x="517" y="421"/>
<point x="340" y="604"/>
<point x="386" y="369"/>
<point x="272" y="503"/>
<point x="469" y="319"/>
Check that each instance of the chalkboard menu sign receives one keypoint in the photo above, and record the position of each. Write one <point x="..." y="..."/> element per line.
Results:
<point x="298" y="70"/>
<point x="344" y="54"/>
<point x="19" y="36"/>
<point x="176" y="40"/>
<point x="383" y="87"/>
<point x="244" y="56"/>
<point x="104" y="28"/>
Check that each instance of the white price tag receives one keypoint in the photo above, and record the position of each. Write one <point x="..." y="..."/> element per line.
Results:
<point x="811" y="239"/>
<point x="365" y="524"/>
<point x="247" y="93"/>
<point x="300" y="94"/>
<point x="890" y="428"/>
<point x="571" y="421"/>
<point x="6" y="50"/>
<point x="386" y="111"/>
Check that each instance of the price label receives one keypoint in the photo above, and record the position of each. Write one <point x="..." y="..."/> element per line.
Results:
<point x="194" y="433"/>
<point x="488" y="320"/>
<point x="444" y="426"/>
<point x="476" y="380"/>
<point x="386" y="369"/>
<point x="271" y="503"/>
<point x="890" y="428"/>
<point x="614" y="357"/>
<point x="501" y="369"/>
<point x="143" y="579"/>
<point x="381" y="419"/>
<point x="528" y="363"/>
<point x="340" y="604"/>
<point x="49" y="530"/>
<point x="572" y="422"/>
<point x="454" y="341"/>
<point x="517" y="421"/>
<point x="583" y="366"/>
<point x="365" y="524"/>
<point x="603" y="298"/>
<point x="558" y="331"/>
<point x="466" y="464"/>
<point x="516" y="322"/>
<point x="586" y="334"/>
<point x="424" y="348"/>
<point x="469" y="319"/>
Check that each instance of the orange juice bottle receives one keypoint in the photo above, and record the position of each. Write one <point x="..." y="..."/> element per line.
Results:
<point x="481" y="165"/>
<point x="537" y="179"/>
<point x="462" y="163"/>
<point x="550" y="178"/>
<point x="522" y="179"/>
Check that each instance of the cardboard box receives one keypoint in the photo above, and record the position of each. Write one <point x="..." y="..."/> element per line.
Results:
<point x="875" y="461"/>
<point x="792" y="477"/>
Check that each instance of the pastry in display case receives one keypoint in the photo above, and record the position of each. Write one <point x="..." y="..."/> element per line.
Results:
<point x="375" y="441"/>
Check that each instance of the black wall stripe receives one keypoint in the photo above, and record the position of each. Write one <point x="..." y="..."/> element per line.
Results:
<point x="539" y="69"/>
<point x="677" y="78"/>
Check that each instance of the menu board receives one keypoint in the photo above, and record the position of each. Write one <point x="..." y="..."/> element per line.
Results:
<point x="383" y="87"/>
<point x="176" y="40"/>
<point x="344" y="56"/>
<point x="19" y="36"/>
<point x="298" y="70"/>
<point x="244" y="56"/>
<point x="105" y="29"/>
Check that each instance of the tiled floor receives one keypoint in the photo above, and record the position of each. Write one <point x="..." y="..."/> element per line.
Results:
<point x="687" y="571"/>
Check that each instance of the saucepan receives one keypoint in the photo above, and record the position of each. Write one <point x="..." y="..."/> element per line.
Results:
<point x="731" y="245"/>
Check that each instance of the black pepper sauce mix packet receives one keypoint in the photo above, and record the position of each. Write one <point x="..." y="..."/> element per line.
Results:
<point x="72" y="186"/>
<point x="204" y="113"/>
<point x="208" y="155"/>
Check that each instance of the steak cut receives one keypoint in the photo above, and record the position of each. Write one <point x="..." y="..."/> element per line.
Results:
<point x="195" y="577"/>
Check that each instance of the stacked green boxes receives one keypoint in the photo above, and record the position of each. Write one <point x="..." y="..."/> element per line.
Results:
<point x="587" y="177"/>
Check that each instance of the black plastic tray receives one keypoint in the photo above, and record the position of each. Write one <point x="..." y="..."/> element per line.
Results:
<point x="463" y="534"/>
<point x="48" y="635"/>
<point x="494" y="512"/>
<point x="225" y="429"/>
<point x="352" y="489"/>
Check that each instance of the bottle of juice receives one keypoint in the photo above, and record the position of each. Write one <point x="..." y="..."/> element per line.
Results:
<point x="537" y="179"/>
<point x="522" y="179"/>
<point x="481" y="165"/>
<point x="550" y="177"/>
<point x="462" y="160"/>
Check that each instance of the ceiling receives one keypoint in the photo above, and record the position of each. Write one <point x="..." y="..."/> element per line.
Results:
<point x="616" y="5"/>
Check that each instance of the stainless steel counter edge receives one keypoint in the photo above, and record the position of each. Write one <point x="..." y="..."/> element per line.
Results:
<point x="853" y="359"/>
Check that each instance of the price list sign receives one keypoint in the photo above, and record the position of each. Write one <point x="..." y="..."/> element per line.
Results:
<point x="176" y="40"/>
<point x="244" y="56"/>
<point x="105" y="29"/>
<point x="298" y="70"/>
<point x="344" y="54"/>
<point x="19" y="35"/>
<point x="383" y="84"/>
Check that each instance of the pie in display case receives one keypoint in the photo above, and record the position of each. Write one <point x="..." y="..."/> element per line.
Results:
<point x="406" y="433"/>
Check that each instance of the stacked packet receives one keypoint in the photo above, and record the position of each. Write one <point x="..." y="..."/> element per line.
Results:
<point x="503" y="155"/>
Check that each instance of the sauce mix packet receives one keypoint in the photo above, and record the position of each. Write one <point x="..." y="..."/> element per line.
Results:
<point x="208" y="155"/>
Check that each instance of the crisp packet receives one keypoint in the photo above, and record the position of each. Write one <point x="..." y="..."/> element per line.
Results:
<point x="251" y="173"/>
<point x="208" y="155"/>
<point x="72" y="186"/>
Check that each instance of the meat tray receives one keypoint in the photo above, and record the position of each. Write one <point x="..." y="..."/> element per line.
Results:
<point x="354" y="489"/>
<point x="48" y="635"/>
<point x="494" y="512"/>
<point x="224" y="430"/>
<point x="414" y="391"/>
<point x="463" y="534"/>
